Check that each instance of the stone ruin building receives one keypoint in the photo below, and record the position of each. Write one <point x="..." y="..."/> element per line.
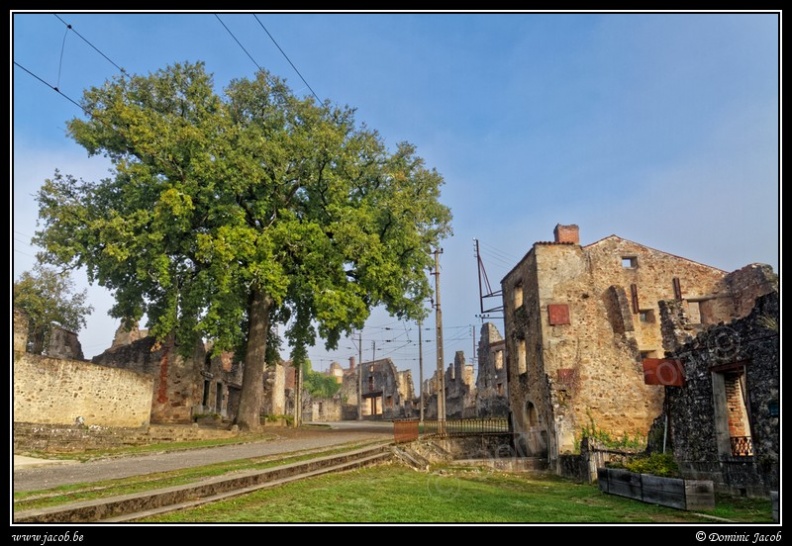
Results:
<point x="460" y="390"/>
<point x="579" y="321"/>
<point x="721" y="377"/>
<point x="387" y="393"/>
<point x="492" y="392"/>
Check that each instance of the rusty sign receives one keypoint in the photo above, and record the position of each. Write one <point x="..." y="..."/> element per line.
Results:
<point x="558" y="313"/>
<point x="663" y="371"/>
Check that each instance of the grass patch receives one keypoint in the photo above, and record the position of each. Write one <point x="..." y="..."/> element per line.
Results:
<point x="393" y="493"/>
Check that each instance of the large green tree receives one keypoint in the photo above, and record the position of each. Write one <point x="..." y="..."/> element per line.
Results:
<point x="225" y="212"/>
<point x="48" y="297"/>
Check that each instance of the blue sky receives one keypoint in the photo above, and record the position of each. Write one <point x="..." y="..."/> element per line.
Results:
<point x="662" y="128"/>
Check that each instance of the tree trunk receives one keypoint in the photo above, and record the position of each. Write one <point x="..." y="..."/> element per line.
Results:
<point x="248" y="416"/>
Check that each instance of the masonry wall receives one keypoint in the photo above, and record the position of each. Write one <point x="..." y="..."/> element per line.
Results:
<point x="491" y="381"/>
<point x="699" y="434"/>
<point x="57" y="391"/>
<point x="460" y="389"/>
<point x="349" y="394"/>
<point x="274" y="399"/>
<point x="380" y="394"/>
<point x="529" y="390"/>
<point x="177" y="381"/>
<point x="221" y="386"/>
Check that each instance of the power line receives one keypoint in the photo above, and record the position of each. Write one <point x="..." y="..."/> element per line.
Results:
<point x="286" y="57"/>
<point x="52" y="87"/>
<point x="70" y="27"/>
<point x="238" y="42"/>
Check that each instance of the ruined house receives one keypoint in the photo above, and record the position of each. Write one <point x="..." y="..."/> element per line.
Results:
<point x="579" y="320"/>
<point x="460" y="390"/>
<point x="492" y="398"/>
<point x="387" y="393"/>
<point x="722" y="387"/>
<point x="221" y="385"/>
<point x="198" y="385"/>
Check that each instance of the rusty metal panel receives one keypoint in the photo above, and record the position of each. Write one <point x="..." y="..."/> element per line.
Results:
<point x="663" y="371"/>
<point x="405" y="431"/>
<point x="558" y="313"/>
<point x="566" y="376"/>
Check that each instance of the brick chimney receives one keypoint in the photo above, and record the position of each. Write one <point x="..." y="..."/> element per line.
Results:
<point x="351" y="362"/>
<point x="567" y="234"/>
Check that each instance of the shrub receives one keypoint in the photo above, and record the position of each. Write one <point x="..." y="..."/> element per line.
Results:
<point x="657" y="464"/>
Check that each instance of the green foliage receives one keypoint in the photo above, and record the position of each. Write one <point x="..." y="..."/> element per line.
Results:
<point x="317" y="383"/>
<point x="605" y="439"/>
<point x="658" y="464"/>
<point x="48" y="297"/>
<point x="225" y="212"/>
<point x="269" y="418"/>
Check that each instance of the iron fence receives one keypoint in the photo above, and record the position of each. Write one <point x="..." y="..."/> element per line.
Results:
<point x="406" y="430"/>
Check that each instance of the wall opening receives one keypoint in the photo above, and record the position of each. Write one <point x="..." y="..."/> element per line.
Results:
<point x="522" y="357"/>
<point x="219" y="403"/>
<point x="646" y="316"/>
<point x="531" y="417"/>
<point x="518" y="295"/>
<point x="730" y="400"/>
<point x="207" y="386"/>
<point x="694" y="312"/>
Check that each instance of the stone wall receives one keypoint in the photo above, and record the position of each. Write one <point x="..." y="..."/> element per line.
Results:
<point x="460" y="400"/>
<point x="57" y="391"/>
<point x="491" y="381"/>
<point x="21" y="321"/>
<point x="177" y="381"/>
<point x="325" y="410"/>
<point x="742" y="359"/>
<point x="64" y="343"/>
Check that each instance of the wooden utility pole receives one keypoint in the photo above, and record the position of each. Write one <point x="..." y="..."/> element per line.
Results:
<point x="441" y="395"/>
<point x="420" y="370"/>
<point x="360" y="376"/>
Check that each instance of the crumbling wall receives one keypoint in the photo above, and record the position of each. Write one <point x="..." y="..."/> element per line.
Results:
<point x="460" y="392"/>
<point x="750" y="348"/>
<point x="491" y="381"/>
<point x="64" y="343"/>
<point x="177" y="380"/>
<point x="59" y="391"/>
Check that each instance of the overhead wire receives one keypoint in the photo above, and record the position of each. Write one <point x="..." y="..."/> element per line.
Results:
<point x="238" y="42"/>
<point x="287" y="58"/>
<point x="69" y="27"/>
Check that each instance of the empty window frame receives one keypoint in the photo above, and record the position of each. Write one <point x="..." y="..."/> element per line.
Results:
<point x="518" y="295"/>
<point x="694" y="312"/>
<point x="646" y="315"/>
<point x="522" y="357"/>
<point x="498" y="360"/>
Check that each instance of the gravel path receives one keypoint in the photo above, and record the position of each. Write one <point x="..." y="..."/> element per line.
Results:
<point x="35" y="477"/>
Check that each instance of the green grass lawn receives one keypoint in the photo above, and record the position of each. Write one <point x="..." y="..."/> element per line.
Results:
<point x="396" y="494"/>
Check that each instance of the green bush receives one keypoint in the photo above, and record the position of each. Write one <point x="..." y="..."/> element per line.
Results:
<point x="657" y="464"/>
<point x="605" y="439"/>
